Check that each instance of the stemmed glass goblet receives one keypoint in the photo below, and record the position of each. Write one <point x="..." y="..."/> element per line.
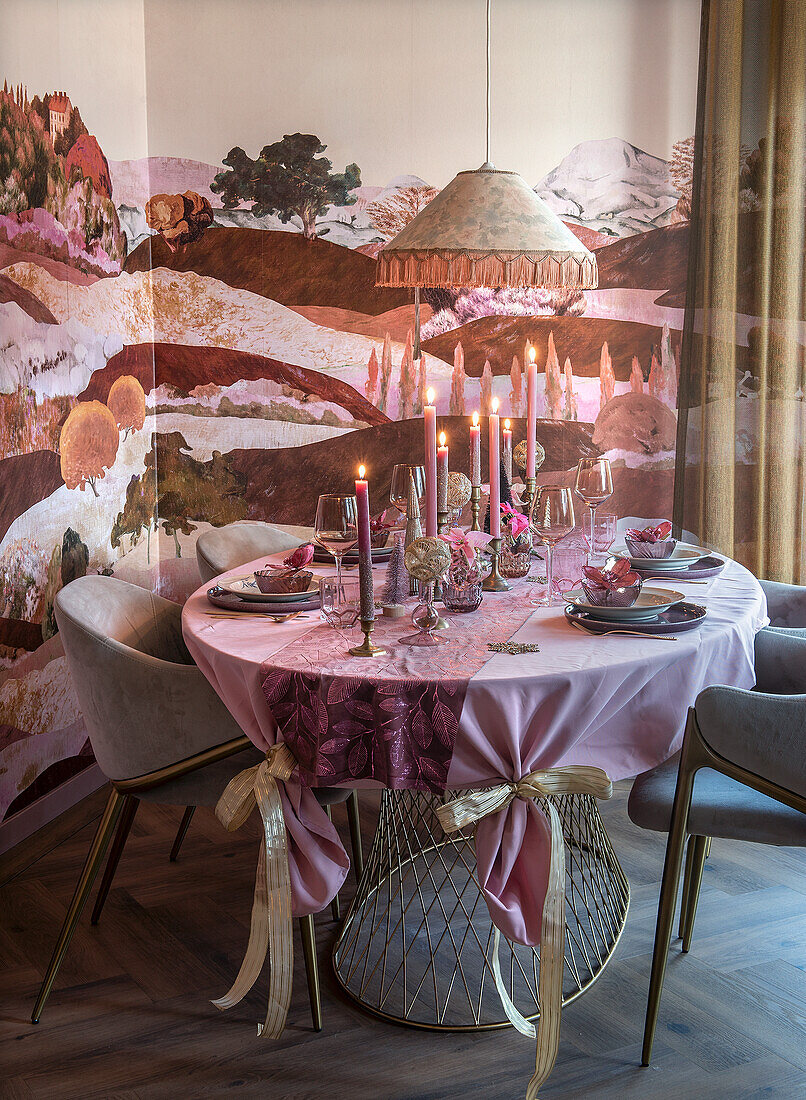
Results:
<point x="336" y="526"/>
<point x="552" y="518"/>
<point x="594" y="485"/>
<point x="402" y="475"/>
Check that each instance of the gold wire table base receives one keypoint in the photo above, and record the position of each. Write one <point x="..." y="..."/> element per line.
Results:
<point x="416" y="944"/>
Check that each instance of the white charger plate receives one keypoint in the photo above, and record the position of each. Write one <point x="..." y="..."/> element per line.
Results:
<point x="683" y="555"/>
<point x="651" y="602"/>
<point x="246" y="587"/>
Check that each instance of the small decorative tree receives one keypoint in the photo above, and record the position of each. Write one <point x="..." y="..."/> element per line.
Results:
<point x="554" y="389"/>
<point x="396" y="589"/>
<point x="386" y="373"/>
<point x="486" y="389"/>
<point x="88" y="445"/>
<point x="516" y="393"/>
<point x="371" y="385"/>
<point x="636" y="376"/>
<point x="457" y="403"/>
<point x="127" y="403"/>
<point x="571" y="411"/>
<point x="405" y="397"/>
<point x="288" y="179"/>
<point x="607" y="379"/>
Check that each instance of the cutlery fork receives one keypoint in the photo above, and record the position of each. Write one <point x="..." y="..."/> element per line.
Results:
<point x="633" y="633"/>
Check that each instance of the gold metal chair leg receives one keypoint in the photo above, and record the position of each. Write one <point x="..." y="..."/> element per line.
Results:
<point x="95" y="855"/>
<point x="686" y="887"/>
<point x="355" y="834"/>
<point x="668" y="896"/>
<point x="308" y="933"/>
<point x="127" y="812"/>
<point x="181" y="832"/>
<point x="335" y="905"/>
<point x="697" y="859"/>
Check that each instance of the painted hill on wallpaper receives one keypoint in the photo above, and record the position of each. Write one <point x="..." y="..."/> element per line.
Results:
<point x="612" y="186"/>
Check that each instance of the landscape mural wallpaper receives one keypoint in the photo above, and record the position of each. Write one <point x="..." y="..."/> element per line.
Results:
<point x="185" y="344"/>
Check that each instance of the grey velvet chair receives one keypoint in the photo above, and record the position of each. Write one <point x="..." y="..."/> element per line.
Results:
<point x="158" y="730"/>
<point x="224" y="548"/>
<point x="740" y="775"/>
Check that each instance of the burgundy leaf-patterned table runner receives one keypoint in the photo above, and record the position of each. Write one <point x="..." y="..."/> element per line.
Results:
<point x="393" y="718"/>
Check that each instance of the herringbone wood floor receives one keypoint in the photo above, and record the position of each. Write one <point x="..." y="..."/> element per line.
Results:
<point x="130" y="1015"/>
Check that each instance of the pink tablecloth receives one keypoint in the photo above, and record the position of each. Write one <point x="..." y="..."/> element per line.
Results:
<point x="615" y="702"/>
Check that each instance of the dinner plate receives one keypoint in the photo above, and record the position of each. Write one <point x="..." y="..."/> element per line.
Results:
<point x="651" y="602"/>
<point x="380" y="554"/>
<point x="245" y="588"/>
<point x="699" y="571"/>
<point x="683" y="616"/>
<point x="683" y="555"/>
<point x="221" y="598"/>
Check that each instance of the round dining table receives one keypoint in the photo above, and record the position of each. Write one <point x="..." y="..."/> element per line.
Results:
<point x="420" y="942"/>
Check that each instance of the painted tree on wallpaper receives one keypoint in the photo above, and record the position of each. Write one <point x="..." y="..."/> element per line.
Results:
<point x="288" y="179"/>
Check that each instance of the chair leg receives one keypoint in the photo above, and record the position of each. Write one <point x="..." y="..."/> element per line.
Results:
<point x="355" y="834"/>
<point x="128" y="810"/>
<point x="308" y="933"/>
<point x="181" y="832"/>
<point x="686" y="887"/>
<point x="668" y="898"/>
<point x="95" y="855"/>
<point x="335" y="905"/>
<point x="697" y="858"/>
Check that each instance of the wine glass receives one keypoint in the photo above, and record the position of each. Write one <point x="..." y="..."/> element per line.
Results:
<point x="402" y="475"/>
<point x="552" y="518"/>
<point x="602" y="535"/>
<point x="594" y="485"/>
<point x="336" y="526"/>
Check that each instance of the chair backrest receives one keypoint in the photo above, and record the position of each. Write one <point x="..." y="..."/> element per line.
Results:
<point x="145" y="703"/>
<point x="763" y="735"/>
<point x="224" y="548"/>
<point x="786" y="603"/>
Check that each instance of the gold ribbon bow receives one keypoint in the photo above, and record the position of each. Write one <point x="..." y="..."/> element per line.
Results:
<point x="470" y="808"/>
<point x="270" y="931"/>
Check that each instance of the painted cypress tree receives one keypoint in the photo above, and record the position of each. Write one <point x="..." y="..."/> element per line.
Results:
<point x="636" y="376"/>
<point x="554" y="388"/>
<point x="405" y="406"/>
<point x="607" y="379"/>
<point x="571" y="411"/>
<point x="486" y="389"/>
<point x="516" y="393"/>
<point x="371" y="384"/>
<point x="386" y="373"/>
<point x="457" y="405"/>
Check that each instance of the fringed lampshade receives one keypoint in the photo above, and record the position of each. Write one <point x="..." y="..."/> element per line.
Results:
<point x="487" y="228"/>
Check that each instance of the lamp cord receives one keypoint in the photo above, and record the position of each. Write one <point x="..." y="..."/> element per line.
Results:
<point x="489" y="22"/>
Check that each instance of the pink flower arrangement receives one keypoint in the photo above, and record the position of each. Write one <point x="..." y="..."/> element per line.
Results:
<point x="466" y="543"/>
<point x="515" y="522"/>
<point x="616" y="574"/>
<point x="300" y="557"/>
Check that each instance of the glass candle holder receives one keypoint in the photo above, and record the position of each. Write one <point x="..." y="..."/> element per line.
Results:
<point x="465" y="596"/>
<point x="515" y="557"/>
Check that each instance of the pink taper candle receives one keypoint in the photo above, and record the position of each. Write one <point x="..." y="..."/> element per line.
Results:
<point x="442" y="474"/>
<point x="507" y="450"/>
<point x="475" y="451"/>
<point x="531" y="413"/>
<point x="367" y="594"/>
<point x="495" y="475"/>
<point x="430" y="418"/>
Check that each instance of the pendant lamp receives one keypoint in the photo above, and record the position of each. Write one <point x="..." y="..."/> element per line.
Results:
<point x="487" y="228"/>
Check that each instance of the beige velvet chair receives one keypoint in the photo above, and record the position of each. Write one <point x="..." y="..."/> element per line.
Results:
<point x="224" y="548"/>
<point x="158" y="730"/>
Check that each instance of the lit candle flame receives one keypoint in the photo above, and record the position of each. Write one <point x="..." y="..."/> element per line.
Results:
<point x="495" y="404"/>
<point x="442" y="439"/>
<point x="475" y="420"/>
<point x="429" y="396"/>
<point x="532" y="353"/>
<point x="507" y="425"/>
<point x="361" y="472"/>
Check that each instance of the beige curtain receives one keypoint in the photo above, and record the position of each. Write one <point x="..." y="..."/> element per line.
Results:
<point x="739" y="482"/>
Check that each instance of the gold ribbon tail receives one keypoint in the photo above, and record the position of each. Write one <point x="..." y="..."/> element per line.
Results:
<point x="270" y="931"/>
<point x="470" y="808"/>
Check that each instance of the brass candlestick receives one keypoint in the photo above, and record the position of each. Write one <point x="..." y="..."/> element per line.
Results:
<point x="494" y="582"/>
<point x="443" y="521"/>
<point x="367" y="649"/>
<point x="475" y="506"/>
<point x="528" y="494"/>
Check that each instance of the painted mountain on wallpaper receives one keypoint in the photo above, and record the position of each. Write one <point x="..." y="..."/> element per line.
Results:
<point x="611" y="186"/>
